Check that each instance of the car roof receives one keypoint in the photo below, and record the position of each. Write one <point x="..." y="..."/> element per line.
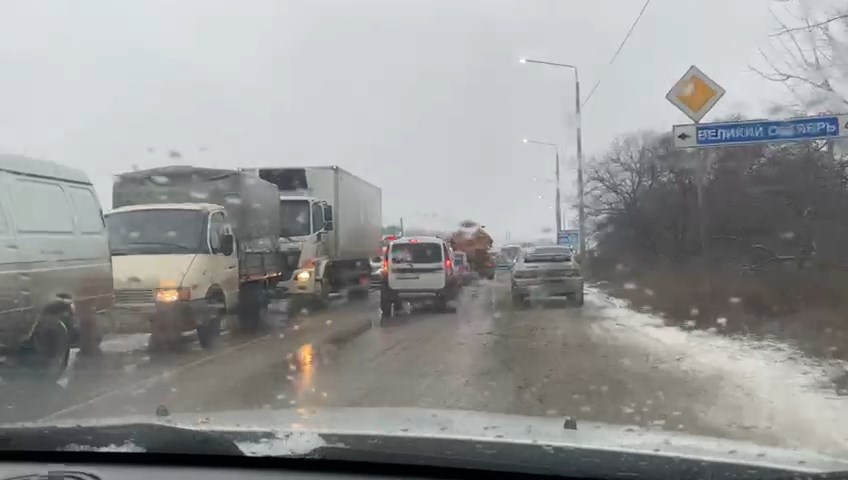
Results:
<point x="418" y="239"/>
<point x="167" y="206"/>
<point x="42" y="168"/>
<point x="551" y="248"/>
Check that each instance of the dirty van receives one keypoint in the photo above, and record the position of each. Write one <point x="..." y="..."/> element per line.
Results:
<point x="55" y="266"/>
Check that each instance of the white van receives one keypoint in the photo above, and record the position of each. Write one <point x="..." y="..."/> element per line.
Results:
<point x="55" y="267"/>
<point x="416" y="268"/>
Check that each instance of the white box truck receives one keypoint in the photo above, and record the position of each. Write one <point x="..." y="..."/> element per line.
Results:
<point x="331" y="224"/>
<point x="191" y="244"/>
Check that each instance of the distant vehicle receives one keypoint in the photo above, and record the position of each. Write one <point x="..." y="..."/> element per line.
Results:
<point x="476" y="243"/>
<point x="331" y="221"/>
<point x="545" y="272"/>
<point x="55" y="267"/>
<point x="191" y="244"/>
<point x="463" y="268"/>
<point x="376" y="271"/>
<point x="418" y="268"/>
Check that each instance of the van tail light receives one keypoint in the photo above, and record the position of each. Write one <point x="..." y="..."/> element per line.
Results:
<point x="385" y="267"/>
<point x="448" y="264"/>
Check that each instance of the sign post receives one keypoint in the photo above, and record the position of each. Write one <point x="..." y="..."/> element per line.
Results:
<point x="695" y="94"/>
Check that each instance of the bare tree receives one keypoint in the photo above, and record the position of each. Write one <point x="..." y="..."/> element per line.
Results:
<point x="806" y="54"/>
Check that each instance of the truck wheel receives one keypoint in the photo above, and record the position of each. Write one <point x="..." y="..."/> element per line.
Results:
<point x="321" y="299"/>
<point x="209" y="331"/>
<point x="49" y="349"/>
<point x="252" y="306"/>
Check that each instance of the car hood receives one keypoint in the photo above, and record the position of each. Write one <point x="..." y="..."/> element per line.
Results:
<point x="440" y="437"/>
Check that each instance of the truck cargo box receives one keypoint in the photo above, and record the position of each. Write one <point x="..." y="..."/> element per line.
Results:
<point x="251" y="203"/>
<point x="357" y="206"/>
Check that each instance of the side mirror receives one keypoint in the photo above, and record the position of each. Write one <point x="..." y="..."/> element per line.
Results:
<point x="227" y="244"/>
<point x="328" y="218"/>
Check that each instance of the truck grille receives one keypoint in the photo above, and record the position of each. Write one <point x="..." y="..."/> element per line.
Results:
<point x="133" y="295"/>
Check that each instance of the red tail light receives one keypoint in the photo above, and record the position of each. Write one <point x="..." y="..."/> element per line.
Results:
<point x="385" y="266"/>
<point x="448" y="264"/>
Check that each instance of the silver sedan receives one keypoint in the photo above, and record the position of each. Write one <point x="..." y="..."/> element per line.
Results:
<point x="543" y="273"/>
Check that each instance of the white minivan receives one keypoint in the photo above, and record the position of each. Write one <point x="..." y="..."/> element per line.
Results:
<point x="418" y="268"/>
<point x="55" y="266"/>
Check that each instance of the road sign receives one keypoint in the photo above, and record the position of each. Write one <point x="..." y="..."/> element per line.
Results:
<point x="695" y="94"/>
<point x="760" y="131"/>
<point x="567" y="238"/>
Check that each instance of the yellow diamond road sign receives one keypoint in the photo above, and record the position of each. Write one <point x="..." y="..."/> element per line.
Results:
<point x="695" y="94"/>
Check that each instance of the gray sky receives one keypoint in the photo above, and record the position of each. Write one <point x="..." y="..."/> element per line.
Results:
<point x="425" y="98"/>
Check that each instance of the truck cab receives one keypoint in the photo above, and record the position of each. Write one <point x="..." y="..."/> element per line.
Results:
<point x="305" y="224"/>
<point x="175" y="268"/>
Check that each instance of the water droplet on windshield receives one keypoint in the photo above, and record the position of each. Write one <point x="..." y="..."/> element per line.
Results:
<point x="134" y="234"/>
<point x="694" y="311"/>
<point x="735" y="300"/>
<point x="160" y="179"/>
<point x="629" y="286"/>
<point x="199" y="195"/>
<point x="721" y="321"/>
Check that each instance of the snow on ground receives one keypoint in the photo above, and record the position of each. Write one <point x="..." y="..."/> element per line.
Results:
<point x="765" y="385"/>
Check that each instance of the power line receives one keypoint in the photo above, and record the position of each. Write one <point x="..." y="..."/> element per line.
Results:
<point x="620" y="47"/>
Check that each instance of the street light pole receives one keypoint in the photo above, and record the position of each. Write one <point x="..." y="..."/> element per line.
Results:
<point x="558" y="206"/>
<point x="581" y="213"/>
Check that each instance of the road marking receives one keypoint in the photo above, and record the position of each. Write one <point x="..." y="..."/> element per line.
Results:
<point x="161" y="376"/>
<point x="153" y="379"/>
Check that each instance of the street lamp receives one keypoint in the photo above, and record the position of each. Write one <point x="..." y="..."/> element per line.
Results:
<point x="580" y="207"/>
<point x="558" y="207"/>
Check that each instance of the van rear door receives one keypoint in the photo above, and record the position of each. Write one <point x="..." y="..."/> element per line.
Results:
<point x="416" y="266"/>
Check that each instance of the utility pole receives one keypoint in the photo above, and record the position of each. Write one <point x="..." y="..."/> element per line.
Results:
<point x="401" y="227"/>
<point x="558" y="202"/>
<point x="581" y="212"/>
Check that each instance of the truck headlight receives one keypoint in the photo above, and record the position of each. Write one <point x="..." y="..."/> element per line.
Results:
<point x="171" y="295"/>
<point x="303" y="276"/>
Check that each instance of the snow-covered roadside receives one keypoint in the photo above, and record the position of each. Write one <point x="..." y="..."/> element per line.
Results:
<point x="765" y="386"/>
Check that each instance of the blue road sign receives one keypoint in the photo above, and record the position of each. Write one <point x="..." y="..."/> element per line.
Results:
<point x="760" y="131"/>
<point x="567" y="238"/>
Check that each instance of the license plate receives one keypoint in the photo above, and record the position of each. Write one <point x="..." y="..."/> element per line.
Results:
<point x="408" y="277"/>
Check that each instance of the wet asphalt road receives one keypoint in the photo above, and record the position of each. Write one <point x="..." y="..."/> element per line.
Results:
<point x="487" y="356"/>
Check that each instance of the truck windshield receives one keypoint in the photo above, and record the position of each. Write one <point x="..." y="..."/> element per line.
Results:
<point x="294" y="216"/>
<point x="157" y="232"/>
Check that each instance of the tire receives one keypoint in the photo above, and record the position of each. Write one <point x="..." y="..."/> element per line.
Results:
<point x="321" y="299"/>
<point x="441" y="302"/>
<point x="388" y="304"/>
<point x="49" y="349"/>
<point x="209" y="331"/>
<point x="518" y="301"/>
<point x="252" y="307"/>
<point x="578" y="298"/>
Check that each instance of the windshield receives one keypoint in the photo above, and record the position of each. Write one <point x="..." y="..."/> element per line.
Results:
<point x="294" y="217"/>
<point x="156" y="232"/>
<point x="619" y="226"/>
